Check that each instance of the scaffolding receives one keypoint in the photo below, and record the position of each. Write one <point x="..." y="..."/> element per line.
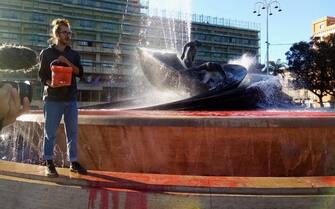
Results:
<point x="200" y="18"/>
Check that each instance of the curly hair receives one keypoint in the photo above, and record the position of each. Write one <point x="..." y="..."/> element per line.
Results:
<point x="56" y="23"/>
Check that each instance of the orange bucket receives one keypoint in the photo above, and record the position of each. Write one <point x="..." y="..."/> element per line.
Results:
<point x="60" y="75"/>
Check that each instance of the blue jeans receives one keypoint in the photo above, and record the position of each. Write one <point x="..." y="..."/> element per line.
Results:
<point x="53" y="112"/>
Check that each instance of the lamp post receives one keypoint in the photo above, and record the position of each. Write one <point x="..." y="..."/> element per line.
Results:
<point x="267" y="5"/>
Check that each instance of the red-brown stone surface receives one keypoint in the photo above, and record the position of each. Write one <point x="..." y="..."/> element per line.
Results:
<point x="208" y="143"/>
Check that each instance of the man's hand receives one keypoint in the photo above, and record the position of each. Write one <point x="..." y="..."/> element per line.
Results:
<point x="66" y="61"/>
<point x="49" y="83"/>
<point x="11" y="105"/>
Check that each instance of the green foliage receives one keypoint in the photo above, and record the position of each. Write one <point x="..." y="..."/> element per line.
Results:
<point x="277" y="68"/>
<point x="331" y="63"/>
<point x="14" y="57"/>
<point x="313" y="66"/>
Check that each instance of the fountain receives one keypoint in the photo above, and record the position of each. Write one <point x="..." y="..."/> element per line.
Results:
<point x="153" y="156"/>
<point x="160" y="139"/>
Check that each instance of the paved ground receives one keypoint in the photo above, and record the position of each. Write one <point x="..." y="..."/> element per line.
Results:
<point x="25" y="186"/>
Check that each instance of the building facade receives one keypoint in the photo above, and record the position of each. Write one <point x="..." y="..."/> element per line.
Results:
<point x="224" y="39"/>
<point x="106" y="33"/>
<point x="323" y="27"/>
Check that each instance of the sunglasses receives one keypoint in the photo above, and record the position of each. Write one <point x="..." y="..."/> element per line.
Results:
<point x="66" y="33"/>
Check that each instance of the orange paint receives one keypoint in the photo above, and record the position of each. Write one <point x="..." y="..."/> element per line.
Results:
<point x="92" y="197"/>
<point x="136" y="200"/>
<point x="115" y="199"/>
<point x="104" y="199"/>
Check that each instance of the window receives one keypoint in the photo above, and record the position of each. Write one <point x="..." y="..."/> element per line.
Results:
<point x="109" y="38"/>
<point x="106" y="5"/>
<point x="236" y="50"/>
<point x="129" y="28"/>
<point x="83" y="43"/>
<point x="207" y="54"/>
<point x="86" y="24"/>
<point x="201" y="36"/>
<point x="224" y="39"/>
<point x="322" y="25"/>
<point x="37" y="39"/>
<point x="133" y="9"/>
<point x="253" y="42"/>
<point x="67" y="1"/>
<point x="110" y="26"/>
<point x="7" y="37"/>
<point x="107" y="65"/>
<point x="127" y="47"/>
<point x="38" y="17"/>
<point x="87" y="2"/>
<point x="87" y="63"/>
<point x="201" y="54"/>
<point x="220" y="49"/>
<point x="108" y="45"/>
<point x="217" y="55"/>
<point x="9" y="14"/>
<point x="113" y="6"/>
<point x="232" y="56"/>
<point x="217" y="38"/>
<point x="245" y="41"/>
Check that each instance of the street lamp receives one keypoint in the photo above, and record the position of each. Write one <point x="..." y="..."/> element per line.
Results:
<point x="267" y="5"/>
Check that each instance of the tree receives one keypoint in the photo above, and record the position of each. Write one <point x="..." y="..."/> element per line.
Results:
<point x="16" y="57"/>
<point x="312" y="66"/>
<point x="277" y="68"/>
<point x="256" y="68"/>
<point x="328" y="51"/>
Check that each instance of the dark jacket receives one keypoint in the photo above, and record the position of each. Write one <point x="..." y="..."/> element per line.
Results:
<point x="66" y="93"/>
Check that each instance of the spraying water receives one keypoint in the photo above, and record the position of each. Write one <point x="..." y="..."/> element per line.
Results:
<point x="117" y="49"/>
<point x="246" y="60"/>
<point x="167" y="26"/>
<point x="21" y="143"/>
<point x="170" y="22"/>
<point x="270" y="86"/>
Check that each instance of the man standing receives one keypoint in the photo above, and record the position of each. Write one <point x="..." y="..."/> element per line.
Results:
<point x="60" y="100"/>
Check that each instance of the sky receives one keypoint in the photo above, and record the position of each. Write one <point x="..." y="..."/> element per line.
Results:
<point x="292" y="25"/>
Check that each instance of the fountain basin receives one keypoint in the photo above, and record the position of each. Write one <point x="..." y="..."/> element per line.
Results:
<point x="226" y="143"/>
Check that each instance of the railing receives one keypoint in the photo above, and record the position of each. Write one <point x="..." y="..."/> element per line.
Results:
<point x="225" y="22"/>
<point x="199" y="18"/>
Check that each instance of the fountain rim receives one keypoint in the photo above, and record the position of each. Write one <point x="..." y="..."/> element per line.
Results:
<point x="307" y="185"/>
<point x="229" y="119"/>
